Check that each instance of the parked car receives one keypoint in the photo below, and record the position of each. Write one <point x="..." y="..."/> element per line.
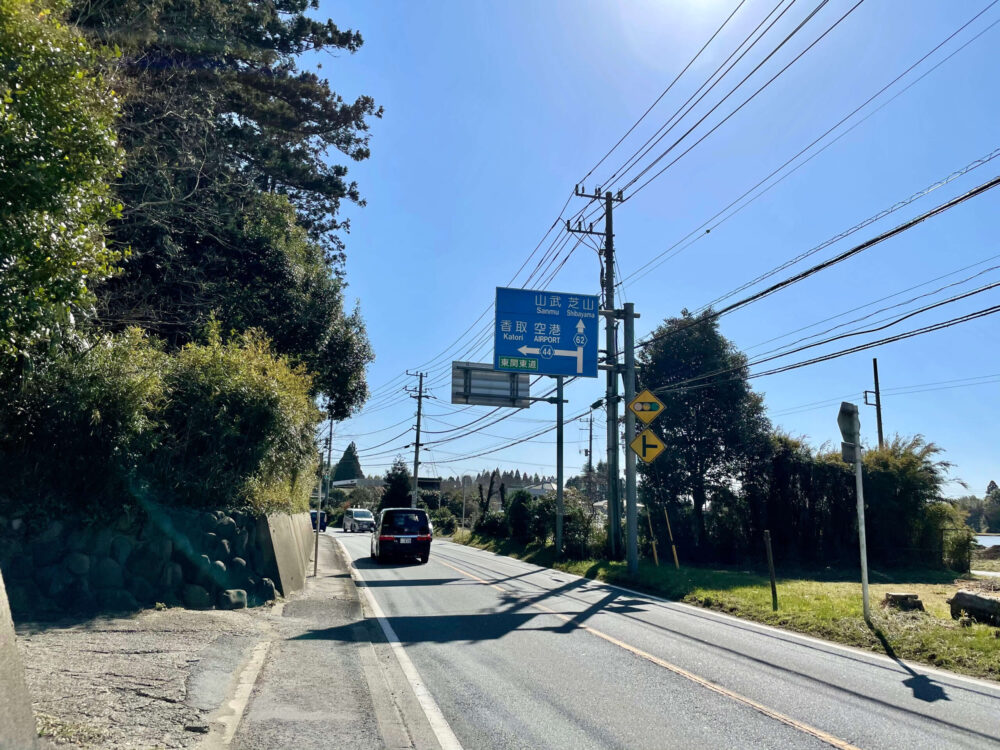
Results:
<point x="358" y="519"/>
<point x="322" y="519"/>
<point x="402" y="532"/>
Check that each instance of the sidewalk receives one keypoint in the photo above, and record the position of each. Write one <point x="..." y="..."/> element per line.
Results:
<point x="310" y="672"/>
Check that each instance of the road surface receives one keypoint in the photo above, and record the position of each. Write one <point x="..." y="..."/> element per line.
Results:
<point x="518" y="656"/>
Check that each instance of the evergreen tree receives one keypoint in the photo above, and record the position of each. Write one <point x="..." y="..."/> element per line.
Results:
<point x="398" y="485"/>
<point x="349" y="466"/>
<point x="230" y="193"/>
<point x="712" y="431"/>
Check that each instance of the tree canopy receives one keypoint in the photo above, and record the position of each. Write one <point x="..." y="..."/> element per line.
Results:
<point x="712" y="423"/>
<point x="398" y="486"/>
<point x="58" y="152"/>
<point x="230" y="197"/>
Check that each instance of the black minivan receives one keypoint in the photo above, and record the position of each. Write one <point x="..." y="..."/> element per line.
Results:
<point x="402" y="532"/>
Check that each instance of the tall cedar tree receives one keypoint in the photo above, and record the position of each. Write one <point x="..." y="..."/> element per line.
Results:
<point x="712" y="428"/>
<point x="349" y="466"/>
<point x="230" y="201"/>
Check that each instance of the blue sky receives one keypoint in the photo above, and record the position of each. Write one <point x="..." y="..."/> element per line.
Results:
<point x="494" y="111"/>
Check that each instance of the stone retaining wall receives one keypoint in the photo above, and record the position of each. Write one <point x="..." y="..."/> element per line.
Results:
<point x="178" y="557"/>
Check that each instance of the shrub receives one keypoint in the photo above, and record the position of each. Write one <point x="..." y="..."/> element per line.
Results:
<point x="519" y="512"/>
<point x="81" y="424"/>
<point x="237" y="428"/>
<point x="543" y="518"/>
<point x="493" y="524"/>
<point x="443" y="520"/>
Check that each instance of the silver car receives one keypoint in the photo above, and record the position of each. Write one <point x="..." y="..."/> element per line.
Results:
<point x="358" y="519"/>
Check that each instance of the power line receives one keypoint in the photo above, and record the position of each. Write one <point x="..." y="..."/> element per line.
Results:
<point x="867" y="244"/>
<point x="697" y="234"/>
<point x="665" y="91"/>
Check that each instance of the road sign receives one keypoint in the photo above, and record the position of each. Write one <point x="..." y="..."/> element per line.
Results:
<point x="646" y="407"/>
<point x="546" y="333"/>
<point x="647" y="446"/>
<point x="480" y="384"/>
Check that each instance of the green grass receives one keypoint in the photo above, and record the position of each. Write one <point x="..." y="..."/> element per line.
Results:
<point x="824" y="603"/>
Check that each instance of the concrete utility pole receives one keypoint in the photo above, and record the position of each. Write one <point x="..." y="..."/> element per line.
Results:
<point x="328" y="475"/>
<point x="850" y="430"/>
<point x="611" y="356"/>
<point x="631" y="503"/>
<point x="415" y="495"/>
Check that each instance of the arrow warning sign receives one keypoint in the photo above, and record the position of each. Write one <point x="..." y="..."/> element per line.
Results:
<point x="646" y="407"/>
<point x="647" y="446"/>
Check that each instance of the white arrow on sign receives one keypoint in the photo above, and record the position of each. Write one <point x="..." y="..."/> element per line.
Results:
<point x="580" y="327"/>
<point x="578" y="353"/>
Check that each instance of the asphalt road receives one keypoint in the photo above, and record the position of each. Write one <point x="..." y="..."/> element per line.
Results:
<point x="518" y="656"/>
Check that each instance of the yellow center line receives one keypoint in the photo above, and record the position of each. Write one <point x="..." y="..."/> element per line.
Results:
<point x="769" y="712"/>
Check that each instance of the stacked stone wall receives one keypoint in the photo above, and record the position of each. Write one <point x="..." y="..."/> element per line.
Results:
<point x="196" y="559"/>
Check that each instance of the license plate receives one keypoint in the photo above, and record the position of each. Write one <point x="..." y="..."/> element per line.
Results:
<point x="403" y="541"/>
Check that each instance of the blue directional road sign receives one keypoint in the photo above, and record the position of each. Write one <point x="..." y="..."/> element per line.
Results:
<point x="547" y="333"/>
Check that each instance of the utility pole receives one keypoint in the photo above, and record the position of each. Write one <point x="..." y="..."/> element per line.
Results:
<point x="850" y="430"/>
<point x="416" y="444"/>
<point x="611" y="354"/>
<point x="590" y="461"/>
<point x="319" y="499"/>
<point x="631" y="506"/>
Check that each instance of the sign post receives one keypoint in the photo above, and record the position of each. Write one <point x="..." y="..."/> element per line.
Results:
<point x="850" y="429"/>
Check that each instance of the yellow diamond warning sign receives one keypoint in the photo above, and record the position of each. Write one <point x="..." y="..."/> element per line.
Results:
<point x="646" y="407"/>
<point x="647" y="446"/>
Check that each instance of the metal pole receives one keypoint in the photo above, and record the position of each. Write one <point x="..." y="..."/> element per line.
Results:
<point x="559" y="464"/>
<point x="878" y="404"/>
<point x="416" y="446"/>
<point x="463" y="501"/>
<point x="631" y="512"/>
<point x="861" y="527"/>
<point x="614" y="510"/>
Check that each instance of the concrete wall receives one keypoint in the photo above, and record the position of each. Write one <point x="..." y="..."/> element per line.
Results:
<point x="17" y="722"/>
<point x="286" y="545"/>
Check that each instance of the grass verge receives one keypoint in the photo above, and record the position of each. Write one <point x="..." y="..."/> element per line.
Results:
<point x="825" y="604"/>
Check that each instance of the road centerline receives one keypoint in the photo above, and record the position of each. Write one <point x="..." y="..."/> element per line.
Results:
<point x="819" y="734"/>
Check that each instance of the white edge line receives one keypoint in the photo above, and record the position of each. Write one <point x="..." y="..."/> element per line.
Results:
<point x="439" y="725"/>
<point x="833" y="645"/>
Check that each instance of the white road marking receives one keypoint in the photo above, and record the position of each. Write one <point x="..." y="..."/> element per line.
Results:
<point x="439" y="725"/>
<point x="791" y="635"/>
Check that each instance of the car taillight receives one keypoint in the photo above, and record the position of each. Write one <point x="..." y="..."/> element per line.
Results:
<point x="423" y="537"/>
<point x="386" y="538"/>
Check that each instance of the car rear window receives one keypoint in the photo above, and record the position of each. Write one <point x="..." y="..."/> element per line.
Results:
<point x="402" y="522"/>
